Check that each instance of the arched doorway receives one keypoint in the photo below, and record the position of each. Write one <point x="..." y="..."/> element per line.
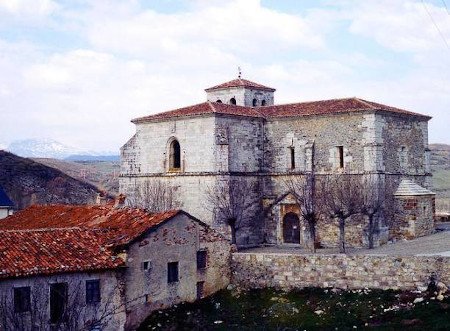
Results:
<point x="291" y="229"/>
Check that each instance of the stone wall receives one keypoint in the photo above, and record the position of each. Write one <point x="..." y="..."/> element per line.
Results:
<point x="178" y="240"/>
<point x="78" y="311"/>
<point x="414" y="216"/>
<point x="287" y="271"/>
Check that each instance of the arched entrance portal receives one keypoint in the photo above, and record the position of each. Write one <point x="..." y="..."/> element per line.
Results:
<point x="291" y="229"/>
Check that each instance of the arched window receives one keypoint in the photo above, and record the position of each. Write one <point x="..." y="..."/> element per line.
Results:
<point x="175" y="156"/>
<point x="255" y="102"/>
<point x="263" y="103"/>
<point x="232" y="101"/>
<point x="219" y="101"/>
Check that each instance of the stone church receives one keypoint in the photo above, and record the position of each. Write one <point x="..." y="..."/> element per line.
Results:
<point x="240" y="135"/>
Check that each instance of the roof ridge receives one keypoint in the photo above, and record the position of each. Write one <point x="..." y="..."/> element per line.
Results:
<point x="211" y="106"/>
<point x="366" y="103"/>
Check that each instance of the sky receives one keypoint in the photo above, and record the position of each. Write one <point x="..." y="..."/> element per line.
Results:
<point x="79" y="71"/>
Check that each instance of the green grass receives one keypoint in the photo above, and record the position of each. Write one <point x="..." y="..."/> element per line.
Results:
<point x="269" y="309"/>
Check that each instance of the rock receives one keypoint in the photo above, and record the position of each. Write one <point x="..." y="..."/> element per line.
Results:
<point x="418" y="300"/>
<point x="440" y="297"/>
<point x="318" y="312"/>
<point x="231" y="287"/>
<point x="218" y="322"/>
<point x="422" y="288"/>
<point x="441" y="287"/>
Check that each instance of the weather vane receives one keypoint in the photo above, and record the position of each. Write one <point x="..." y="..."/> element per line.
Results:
<point x="239" y="72"/>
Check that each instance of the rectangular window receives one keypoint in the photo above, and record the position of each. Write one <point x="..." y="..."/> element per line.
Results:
<point x="58" y="301"/>
<point x="200" y="287"/>
<point x="201" y="260"/>
<point x="22" y="301"/>
<point x="172" y="272"/>
<point x="147" y="265"/>
<point x="93" y="291"/>
<point x="147" y="298"/>
<point x="292" y="157"/>
<point x="341" y="156"/>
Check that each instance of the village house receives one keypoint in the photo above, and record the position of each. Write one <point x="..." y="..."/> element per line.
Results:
<point x="106" y="267"/>
<point x="240" y="137"/>
<point x="6" y="205"/>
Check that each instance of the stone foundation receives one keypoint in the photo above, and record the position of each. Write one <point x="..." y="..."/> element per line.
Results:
<point x="288" y="271"/>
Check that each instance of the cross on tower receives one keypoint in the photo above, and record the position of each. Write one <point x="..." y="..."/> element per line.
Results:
<point x="239" y="72"/>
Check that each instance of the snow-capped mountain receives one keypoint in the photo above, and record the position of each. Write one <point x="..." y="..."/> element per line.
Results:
<point x="50" y="148"/>
<point x="42" y="148"/>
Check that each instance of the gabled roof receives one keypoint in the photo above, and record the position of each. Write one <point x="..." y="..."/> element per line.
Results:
<point x="49" y="251"/>
<point x="201" y="109"/>
<point x="322" y="107"/>
<point x="239" y="82"/>
<point x="5" y="201"/>
<point x="123" y="224"/>
<point x="62" y="238"/>
<point x="333" y="106"/>
<point x="409" y="188"/>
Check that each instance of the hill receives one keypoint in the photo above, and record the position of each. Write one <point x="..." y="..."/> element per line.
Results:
<point x="102" y="174"/>
<point x="27" y="182"/>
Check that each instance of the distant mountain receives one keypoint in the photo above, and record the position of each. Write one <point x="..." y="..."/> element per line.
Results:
<point x="93" y="158"/>
<point x="49" y="148"/>
<point x="27" y="182"/>
<point x="42" y="148"/>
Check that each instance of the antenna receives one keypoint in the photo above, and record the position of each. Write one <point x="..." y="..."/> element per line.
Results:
<point x="239" y="72"/>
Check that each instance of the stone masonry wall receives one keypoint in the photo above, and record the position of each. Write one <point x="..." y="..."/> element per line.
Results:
<point x="178" y="240"/>
<point x="414" y="217"/>
<point x="287" y="271"/>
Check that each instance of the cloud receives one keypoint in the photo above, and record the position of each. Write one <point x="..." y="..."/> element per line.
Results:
<point x="27" y="10"/>
<point x="401" y="25"/>
<point x="131" y="61"/>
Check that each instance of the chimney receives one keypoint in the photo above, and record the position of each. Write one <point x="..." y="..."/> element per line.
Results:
<point x="120" y="201"/>
<point x="101" y="198"/>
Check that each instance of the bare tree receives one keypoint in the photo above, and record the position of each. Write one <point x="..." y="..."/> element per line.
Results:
<point x="373" y="203"/>
<point x="76" y="314"/>
<point x="340" y="197"/>
<point x="235" y="202"/>
<point x="154" y="196"/>
<point x="304" y="191"/>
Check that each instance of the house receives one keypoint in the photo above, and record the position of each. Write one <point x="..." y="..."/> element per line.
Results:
<point x="240" y="140"/>
<point x="6" y="205"/>
<point x="107" y="266"/>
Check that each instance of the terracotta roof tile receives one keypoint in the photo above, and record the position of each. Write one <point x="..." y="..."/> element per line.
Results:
<point x="62" y="238"/>
<point x="32" y="252"/>
<point x="203" y="108"/>
<point x="322" y="107"/>
<point x="333" y="106"/>
<point x="239" y="82"/>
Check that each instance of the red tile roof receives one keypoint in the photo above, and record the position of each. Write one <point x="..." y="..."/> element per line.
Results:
<point x="323" y="107"/>
<point x="239" y="82"/>
<point x="203" y="108"/>
<point x="33" y="252"/>
<point x="333" y="106"/>
<point x="63" y="238"/>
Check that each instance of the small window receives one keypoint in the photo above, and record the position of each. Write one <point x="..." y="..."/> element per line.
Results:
<point x="201" y="260"/>
<point x="172" y="272"/>
<point x="58" y="302"/>
<point x="292" y="157"/>
<point x="200" y="289"/>
<point x="232" y="101"/>
<point x="93" y="291"/>
<point x="263" y="102"/>
<point x="147" y="265"/>
<point x="147" y="298"/>
<point x="175" y="155"/>
<point x="255" y="102"/>
<point x="341" y="156"/>
<point x="22" y="301"/>
<point x="219" y="101"/>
